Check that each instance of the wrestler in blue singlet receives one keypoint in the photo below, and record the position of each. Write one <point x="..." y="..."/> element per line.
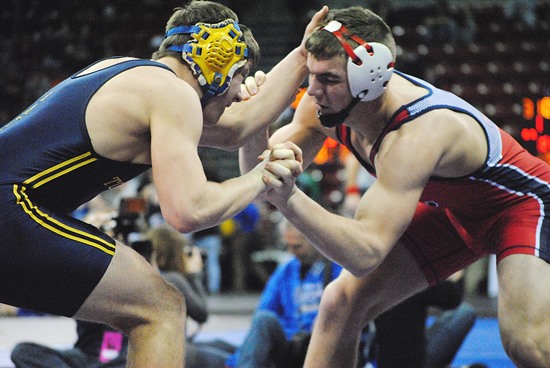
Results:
<point x="48" y="168"/>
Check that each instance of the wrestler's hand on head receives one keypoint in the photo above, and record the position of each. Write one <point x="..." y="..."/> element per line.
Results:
<point x="315" y="21"/>
<point x="251" y="85"/>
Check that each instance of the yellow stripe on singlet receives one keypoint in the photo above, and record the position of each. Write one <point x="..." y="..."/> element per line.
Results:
<point x="58" y="227"/>
<point x="73" y="164"/>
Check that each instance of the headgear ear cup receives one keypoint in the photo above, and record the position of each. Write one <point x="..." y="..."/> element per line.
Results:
<point x="370" y="65"/>
<point x="214" y="52"/>
<point x="369" y="79"/>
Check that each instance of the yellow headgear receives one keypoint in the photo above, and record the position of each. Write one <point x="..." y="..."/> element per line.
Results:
<point x="214" y="52"/>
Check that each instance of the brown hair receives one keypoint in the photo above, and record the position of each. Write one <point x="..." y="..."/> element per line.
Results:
<point x="359" y="21"/>
<point x="168" y="244"/>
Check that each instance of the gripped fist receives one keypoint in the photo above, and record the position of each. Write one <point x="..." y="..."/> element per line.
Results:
<point x="285" y="151"/>
<point x="284" y="161"/>
<point x="284" y="166"/>
<point x="251" y="85"/>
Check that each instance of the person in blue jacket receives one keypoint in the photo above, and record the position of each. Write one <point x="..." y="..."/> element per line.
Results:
<point x="288" y="306"/>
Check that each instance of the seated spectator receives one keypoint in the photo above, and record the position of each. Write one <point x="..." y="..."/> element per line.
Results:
<point x="403" y="340"/>
<point x="181" y="265"/>
<point x="288" y="306"/>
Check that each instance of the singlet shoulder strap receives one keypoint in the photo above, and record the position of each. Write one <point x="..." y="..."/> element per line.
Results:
<point x="405" y="113"/>
<point x="124" y="65"/>
<point x="343" y="134"/>
<point x="395" y="122"/>
<point x="439" y="99"/>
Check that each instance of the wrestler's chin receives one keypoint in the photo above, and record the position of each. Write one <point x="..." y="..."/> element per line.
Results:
<point x="211" y="115"/>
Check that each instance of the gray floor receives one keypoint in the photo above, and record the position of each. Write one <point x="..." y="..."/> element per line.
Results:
<point x="230" y="318"/>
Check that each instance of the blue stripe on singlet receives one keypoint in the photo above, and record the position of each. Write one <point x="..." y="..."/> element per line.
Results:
<point x="516" y="181"/>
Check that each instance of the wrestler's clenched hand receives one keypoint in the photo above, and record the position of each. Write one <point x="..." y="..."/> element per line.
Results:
<point x="285" y="164"/>
<point x="251" y="85"/>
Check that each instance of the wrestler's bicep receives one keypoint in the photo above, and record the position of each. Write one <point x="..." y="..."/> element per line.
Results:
<point x="390" y="203"/>
<point x="386" y="213"/>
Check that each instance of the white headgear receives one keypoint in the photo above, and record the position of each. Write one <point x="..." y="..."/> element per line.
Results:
<point x="370" y="65"/>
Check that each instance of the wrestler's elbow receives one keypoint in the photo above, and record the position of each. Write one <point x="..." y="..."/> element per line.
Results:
<point x="183" y="221"/>
<point x="182" y="226"/>
<point x="365" y="261"/>
<point x="360" y="269"/>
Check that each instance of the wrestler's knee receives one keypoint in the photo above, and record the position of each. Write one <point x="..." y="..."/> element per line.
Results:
<point x="526" y="344"/>
<point x="173" y="302"/>
<point x="339" y="303"/>
<point x="335" y="297"/>
<point x="167" y="309"/>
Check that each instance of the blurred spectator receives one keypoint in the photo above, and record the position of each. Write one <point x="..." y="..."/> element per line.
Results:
<point x="180" y="264"/>
<point x="402" y="338"/>
<point x="288" y="306"/>
<point x="522" y="11"/>
<point x="210" y="242"/>
<point x="147" y="191"/>
<point x="450" y="23"/>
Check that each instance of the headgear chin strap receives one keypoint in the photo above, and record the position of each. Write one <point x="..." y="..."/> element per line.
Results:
<point x="214" y="52"/>
<point x="331" y="120"/>
<point x="370" y="65"/>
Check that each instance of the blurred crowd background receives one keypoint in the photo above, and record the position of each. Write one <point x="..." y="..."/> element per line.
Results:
<point x="492" y="53"/>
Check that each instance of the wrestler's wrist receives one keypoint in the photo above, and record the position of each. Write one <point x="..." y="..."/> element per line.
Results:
<point x="283" y="200"/>
<point x="300" y="55"/>
<point x="292" y="197"/>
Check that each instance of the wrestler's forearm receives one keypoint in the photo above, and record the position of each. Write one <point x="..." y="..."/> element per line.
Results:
<point x="249" y="152"/>
<point x="277" y="92"/>
<point x="341" y="239"/>
<point x="245" y="119"/>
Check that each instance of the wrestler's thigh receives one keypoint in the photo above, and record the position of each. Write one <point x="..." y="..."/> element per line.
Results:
<point x="50" y="262"/>
<point x="396" y="279"/>
<point x="130" y="289"/>
<point x="435" y="244"/>
<point x="524" y="296"/>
